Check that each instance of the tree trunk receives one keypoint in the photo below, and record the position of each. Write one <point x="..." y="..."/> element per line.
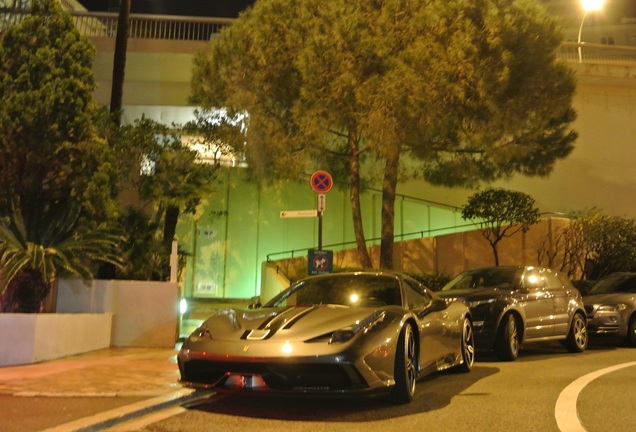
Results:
<point x="29" y="290"/>
<point x="389" y="186"/>
<point x="170" y="225"/>
<point x="354" y="198"/>
<point x="495" y="251"/>
<point x="119" y="61"/>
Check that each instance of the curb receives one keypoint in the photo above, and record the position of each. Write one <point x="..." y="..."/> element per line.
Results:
<point x="114" y="417"/>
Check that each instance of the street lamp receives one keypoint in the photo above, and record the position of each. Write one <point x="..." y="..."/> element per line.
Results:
<point x="588" y="6"/>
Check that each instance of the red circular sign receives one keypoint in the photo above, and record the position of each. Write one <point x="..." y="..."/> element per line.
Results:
<point x="321" y="182"/>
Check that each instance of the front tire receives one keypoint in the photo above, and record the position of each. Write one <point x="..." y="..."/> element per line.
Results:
<point x="577" y="337"/>
<point x="467" y="347"/>
<point x="405" y="367"/>
<point x="507" y="342"/>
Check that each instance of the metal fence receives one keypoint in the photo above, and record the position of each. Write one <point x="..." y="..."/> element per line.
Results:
<point x="104" y="24"/>
<point x="184" y="28"/>
<point x="597" y="53"/>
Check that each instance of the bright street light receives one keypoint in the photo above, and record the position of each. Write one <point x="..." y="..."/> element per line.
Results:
<point x="588" y="6"/>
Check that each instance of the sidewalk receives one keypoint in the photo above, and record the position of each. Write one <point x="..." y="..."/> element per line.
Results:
<point x="137" y="372"/>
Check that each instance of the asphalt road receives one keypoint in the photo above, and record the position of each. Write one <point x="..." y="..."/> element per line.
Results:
<point x="546" y="389"/>
<point x="526" y="395"/>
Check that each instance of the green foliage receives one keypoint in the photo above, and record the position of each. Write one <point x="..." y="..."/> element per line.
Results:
<point x="143" y="255"/>
<point x="57" y="186"/>
<point x="49" y="146"/>
<point x="501" y="213"/>
<point x="216" y="134"/>
<point x="351" y="87"/>
<point x="434" y="281"/>
<point x="608" y="244"/>
<point x="169" y="177"/>
<point x="51" y="241"/>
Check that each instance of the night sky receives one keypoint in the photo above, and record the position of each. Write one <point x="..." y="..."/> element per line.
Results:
<point x="208" y="8"/>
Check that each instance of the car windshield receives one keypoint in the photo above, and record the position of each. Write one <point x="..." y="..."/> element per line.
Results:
<point x="485" y="277"/>
<point x="348" y="290"/>
<point x="615" y="284"/>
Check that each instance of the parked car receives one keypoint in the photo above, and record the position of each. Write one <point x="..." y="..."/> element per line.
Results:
<point x="611" y="306"/>
<point x="515" y="305"/>
<point x="341" y="333"/>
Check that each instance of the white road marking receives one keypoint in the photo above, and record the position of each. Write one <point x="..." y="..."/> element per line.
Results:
<point x="565" y="412"/>
<point x="142" y="422"/>
<point x="121" y="413"/>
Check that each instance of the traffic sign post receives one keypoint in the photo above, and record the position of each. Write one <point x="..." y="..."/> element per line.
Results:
<point x="321" y="182"/>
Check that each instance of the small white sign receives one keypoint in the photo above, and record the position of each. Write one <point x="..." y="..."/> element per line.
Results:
<point x="322" y="202"/>
<point x="298" y="213"/>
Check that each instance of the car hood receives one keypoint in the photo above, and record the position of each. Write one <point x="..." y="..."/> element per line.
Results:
<point x="473" y="294"/>
<point x="293" y="323"/>
<point x="609" y="298"/>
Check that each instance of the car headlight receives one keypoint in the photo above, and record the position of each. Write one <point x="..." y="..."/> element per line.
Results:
<point x="345" y="334"/>
<point x="200" y="333"/>
<point x="478" y="303"/>
<point x="613" y="308"/>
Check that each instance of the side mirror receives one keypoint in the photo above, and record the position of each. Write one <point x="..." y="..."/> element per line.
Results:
<point x="439" y="304"/>
<point x="255" y="303"/>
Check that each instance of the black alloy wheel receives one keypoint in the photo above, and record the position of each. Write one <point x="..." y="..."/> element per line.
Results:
<point x="405" y="367"/>
<point x="577" y="338"/>
<point x="467" y="346"/>
<point x="507" y="342"/>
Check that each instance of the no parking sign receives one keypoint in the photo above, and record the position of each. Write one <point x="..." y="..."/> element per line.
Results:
<point x="321" y="182"/>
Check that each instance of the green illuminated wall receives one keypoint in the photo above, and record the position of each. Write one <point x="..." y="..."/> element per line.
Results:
<point x="240" y="225"/>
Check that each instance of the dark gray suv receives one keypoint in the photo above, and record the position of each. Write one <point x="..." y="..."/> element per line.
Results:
<point x="514" y="305"/>
<point x="611" y="307"/>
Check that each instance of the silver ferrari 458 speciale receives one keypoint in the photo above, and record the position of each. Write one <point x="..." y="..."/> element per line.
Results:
<point x="332" y="334"/>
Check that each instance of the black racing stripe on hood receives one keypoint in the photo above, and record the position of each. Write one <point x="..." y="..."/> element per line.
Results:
<point x="270" y="326"/>
<point x="266" y="323"/>
<point x="297" y="318"/>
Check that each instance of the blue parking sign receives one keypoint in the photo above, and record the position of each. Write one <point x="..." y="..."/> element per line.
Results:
<point x="319" y="262"/>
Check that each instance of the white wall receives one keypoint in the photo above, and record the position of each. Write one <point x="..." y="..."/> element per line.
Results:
<point x="145" y="314"/>
<point x="32" y="338"/>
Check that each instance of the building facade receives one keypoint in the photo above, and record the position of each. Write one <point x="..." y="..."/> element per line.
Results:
<point x="241" y="226"/>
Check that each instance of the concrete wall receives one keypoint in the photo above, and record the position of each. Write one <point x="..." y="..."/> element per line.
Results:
<point x="92" y="317"/>
<point x="447" y="254"/>
<point x="599" y="173"/>
<point x="239" y="231"/>
<point x="32" y="338"/>
<point x="145" y="314"/>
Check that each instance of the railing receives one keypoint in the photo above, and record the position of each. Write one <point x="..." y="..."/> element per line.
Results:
<point x="104" y="24"/>
<point x="168" y="27"/>
<point x="370" y="242"/>
<point x="597" y="53"/>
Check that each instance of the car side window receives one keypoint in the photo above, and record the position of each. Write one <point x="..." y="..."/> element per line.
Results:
<point x="534" y="280"/>
<point x="552" y="281"/>
<point x="565" y="281"/>
<point x="416" y="295"/>
<point x="627" y="286"/>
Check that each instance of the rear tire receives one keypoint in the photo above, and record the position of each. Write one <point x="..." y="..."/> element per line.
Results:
<point x="507" y="342"/>
<point x="467" y="347"/>
<point x="577" y="338"/>
<point x="405" y="367"/>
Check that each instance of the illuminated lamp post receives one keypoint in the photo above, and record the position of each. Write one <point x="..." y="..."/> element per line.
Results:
<point x="588" y="6"/>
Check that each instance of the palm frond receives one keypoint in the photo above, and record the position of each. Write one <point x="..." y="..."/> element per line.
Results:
<point x="52" y="241"/>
